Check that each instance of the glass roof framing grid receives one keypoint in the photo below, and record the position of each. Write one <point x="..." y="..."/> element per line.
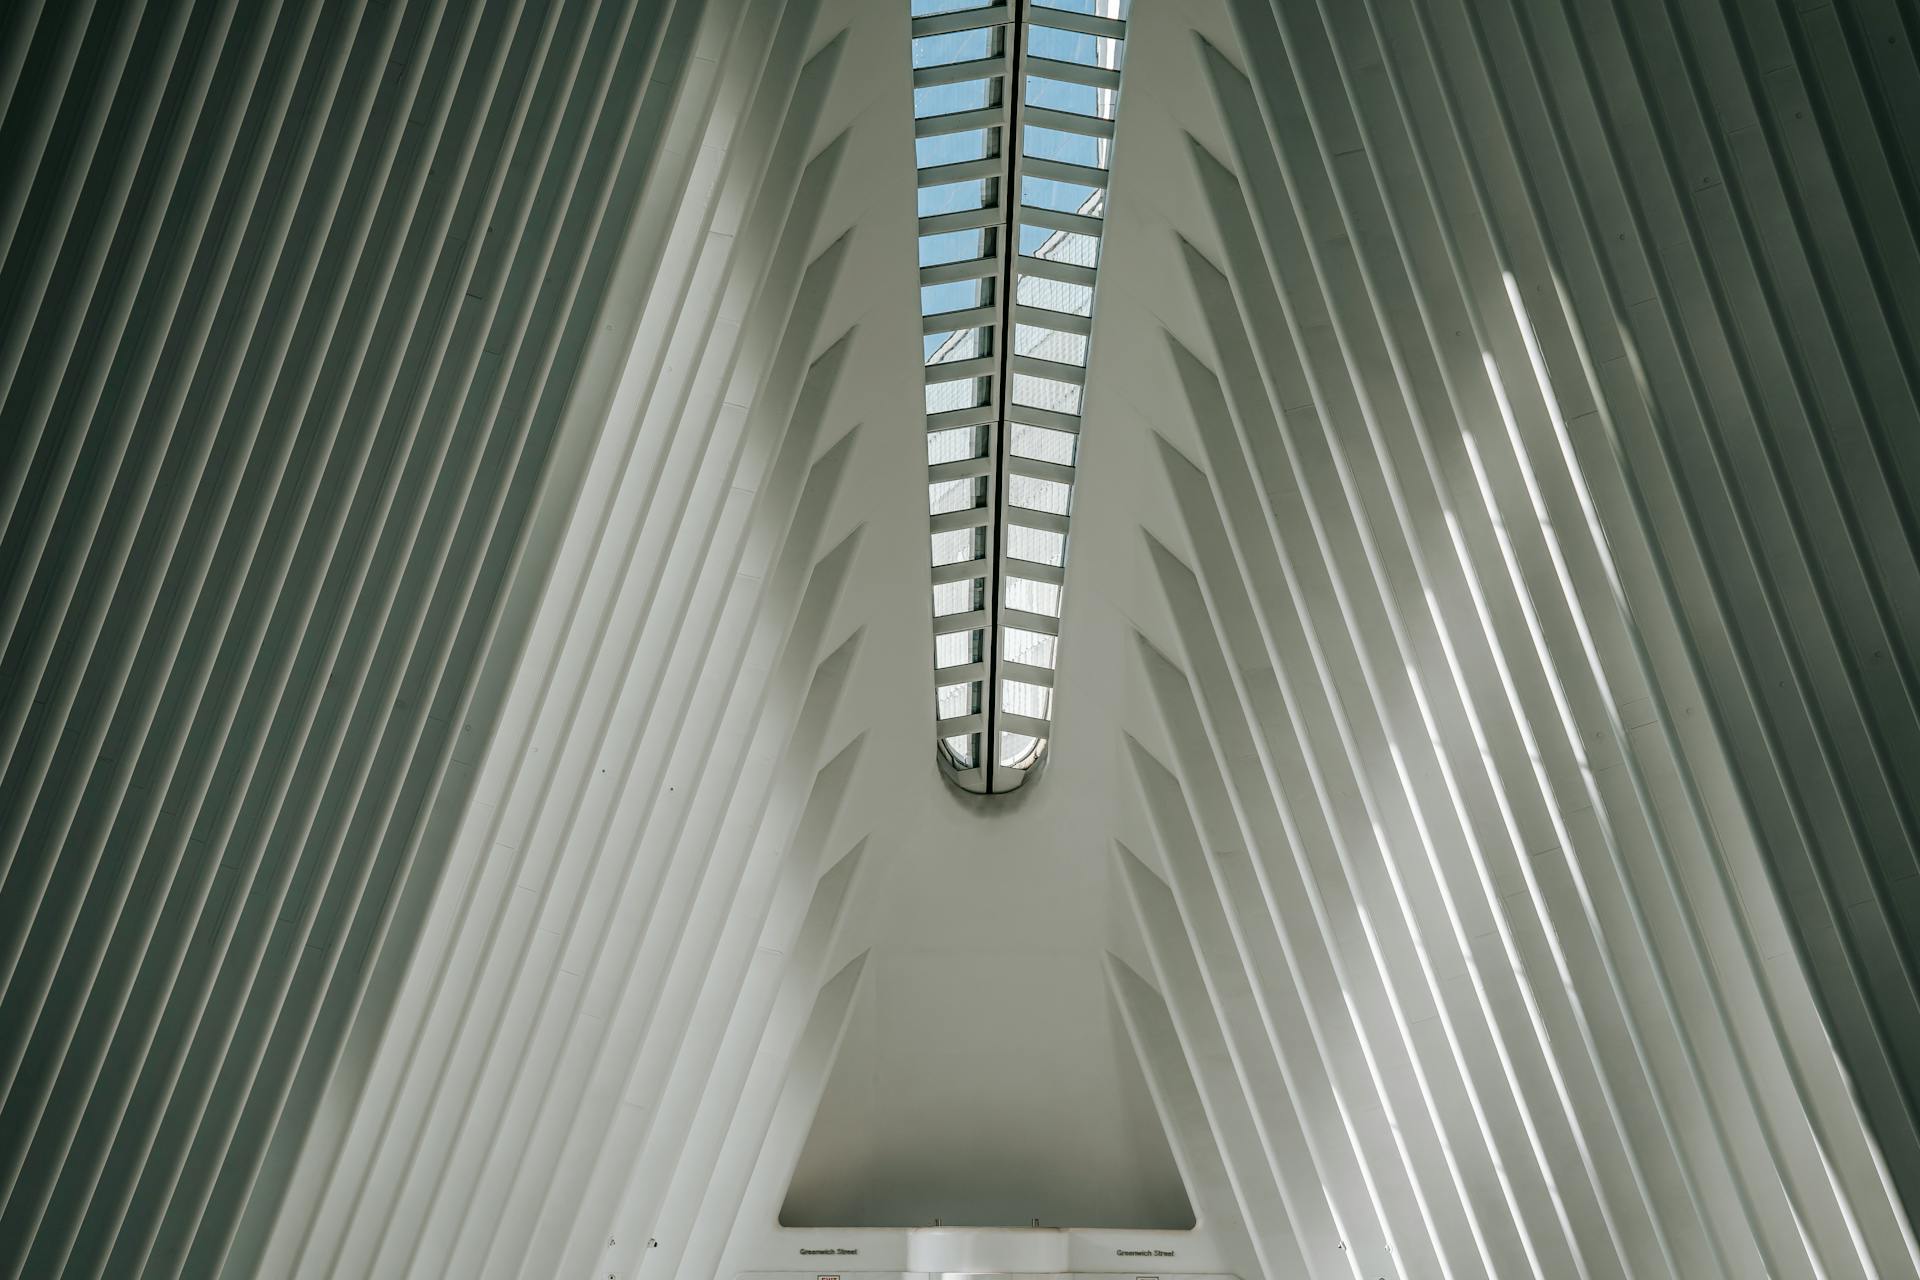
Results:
<point x="1003" y="216"/>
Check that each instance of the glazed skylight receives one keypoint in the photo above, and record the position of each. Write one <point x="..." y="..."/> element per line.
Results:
<point x="1013" y="135"/>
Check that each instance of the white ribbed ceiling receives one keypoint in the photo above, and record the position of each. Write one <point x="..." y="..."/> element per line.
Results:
<point x="468" y="802"/>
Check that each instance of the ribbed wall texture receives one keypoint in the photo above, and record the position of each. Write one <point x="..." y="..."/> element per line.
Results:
<point x="588" y="1043"/>
<point x="295" y="295"/>
<point x="462" y="647"/>
<point x="1530" y="860"/>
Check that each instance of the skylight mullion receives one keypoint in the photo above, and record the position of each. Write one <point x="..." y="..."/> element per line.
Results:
<point x="1042" y="676"/>
<point x="994" y="15"/>
<point x="1031" y="517"/>
<point x="1062" y="171"/>
<point x="967" y="518"/>
<point x="1037" y="469"/>
<point x="1054" y="69"/>
<point x="938" y="175"/>
<point x="975" y="619"/>
<point x="968" y="673"/>
<point x="1064" y="272"/>
<point x="1039" y="623"/>
<point x="977" y="415"/>
<point x="956" y="272"/>
<point x="972" y="722"/>
<point x="1055" y="220"/>
<point x="959" y="571"/>
<point x="1047" y="418"/>
<point x="1034" y="366"/>
<point x="1087" y="24"/>
<point x="971" y="318"/>
<point x="960" y="370"/>
<point x="1040" y="318"/>
<point x="962" y="468"/>
<point x="994" y="117"/>
<point x="1063" y="121"/>
<point x="1037" y="572"/>
<point x="991" y="215"/>
<point x="991" y="67"/>
<point x="1012" y="722"/>
<point x="1013" y="151"/>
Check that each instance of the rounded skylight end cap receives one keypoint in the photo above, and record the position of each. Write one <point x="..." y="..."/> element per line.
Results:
<point x="971" y="777"/>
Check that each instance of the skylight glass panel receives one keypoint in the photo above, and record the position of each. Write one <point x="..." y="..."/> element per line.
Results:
<point x="1045" y="393"/>
<point x="956" y="295"/>
<point x="1036" y="494"/>
<point x="1053" y="295"/>
<point x="1073" y="46"/>
<point x="1025" y="699"/>
<point x="956" y="700"/>
<point x="956" y="648"/>
<point x="945" y="99"/>
<point x="1004" y="375"/>
<point x="956" y="444"/>
<point x="1050" y="344"/>
<point x="954" y="46"/>
<point x="1040" y="546"/>
<point x="1067" y="148"/>
<point x="955" y="197"/>
<point x="956" y="546"/>
<point x="1061" y="197"/>
<point x="1064" y="95"/>
<point x="1060" y="246"/>
<point x="953" y="148"/>
<point x="952" y="246"/>
<point x="1043" y="444"/>
<point x="956" y="495"/>
<point x="1019" y="750"/>
<point x="1029" y="596"/>
<point x="1032" y="648"/>
<point x="965" y="596"/>
<point x="962" y="393"/>
<point x="959" y="344"/>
